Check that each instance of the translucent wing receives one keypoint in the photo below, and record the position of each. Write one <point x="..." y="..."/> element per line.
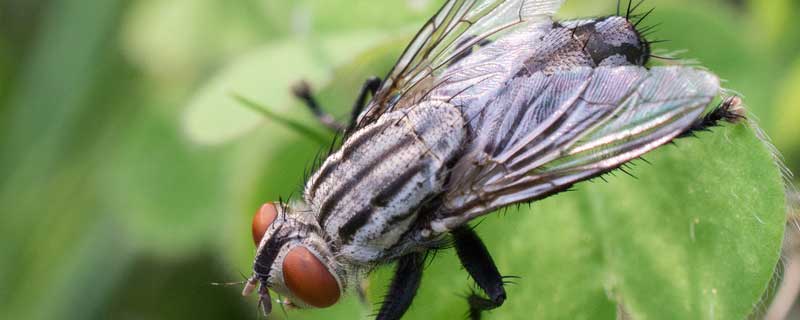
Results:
<point x="453" y="33"/>
<point x="545" y="133"/>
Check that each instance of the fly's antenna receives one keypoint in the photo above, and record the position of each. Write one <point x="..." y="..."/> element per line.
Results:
<point x="228" y="284"/>
<point x="233" y="283"/>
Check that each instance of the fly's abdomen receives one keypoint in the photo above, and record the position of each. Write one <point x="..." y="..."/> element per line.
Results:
<point x="366" y="195"/>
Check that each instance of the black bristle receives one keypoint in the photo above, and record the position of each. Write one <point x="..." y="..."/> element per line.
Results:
<point x="625" y="171"/>
<point x="628" y="11"/>
<point x="636" y="7"/>
<point x="648" y="29"/>
<point x="657" y="41"/>
<point x="730" y="110"/>
<point x="333" y="145"/>
<point x="663" y="57"/>
<point x="643" y="17"/>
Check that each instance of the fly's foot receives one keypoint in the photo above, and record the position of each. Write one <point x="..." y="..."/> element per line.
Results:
<point x="479" y="304"/>
<point x="302" y="90"/>
<point x="478" y="262"/>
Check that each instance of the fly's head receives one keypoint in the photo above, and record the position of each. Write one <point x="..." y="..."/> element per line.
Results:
<point x="612" y="41"/>
<point x="293" y="259"/>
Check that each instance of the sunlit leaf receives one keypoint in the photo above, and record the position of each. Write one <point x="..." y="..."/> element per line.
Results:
<point x="265" y="76"/>
<point x="787" y="136"/>
<point x="174" y="42"/>
<point x="772" y="17"/>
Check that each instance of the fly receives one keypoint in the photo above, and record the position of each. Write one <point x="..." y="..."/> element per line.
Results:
<point x="493" y="103"/>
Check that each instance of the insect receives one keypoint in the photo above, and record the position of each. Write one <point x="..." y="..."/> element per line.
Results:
<point x="493" y="103"/>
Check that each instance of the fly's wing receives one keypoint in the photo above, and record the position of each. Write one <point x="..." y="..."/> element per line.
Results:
<point x="453" y="33"/>
<point x="544" y="133"/>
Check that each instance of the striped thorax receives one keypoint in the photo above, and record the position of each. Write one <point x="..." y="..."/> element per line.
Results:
<point x="366" y="195"/>
<point x="361" y="206"/>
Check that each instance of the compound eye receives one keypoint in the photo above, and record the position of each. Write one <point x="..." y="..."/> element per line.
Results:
<point x="308" y="279"/>
<point x="261" y="221"/>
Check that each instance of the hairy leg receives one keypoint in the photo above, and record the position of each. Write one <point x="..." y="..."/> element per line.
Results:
<point x="478" y="262"/>
<point x="404" y="287"/>
<point x="302" y="90"/>
<point x="370" y="87"/>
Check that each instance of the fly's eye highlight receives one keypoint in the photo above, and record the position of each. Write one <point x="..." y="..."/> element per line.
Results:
<point x="308" y="279"/>
<point x="262" y="220"/>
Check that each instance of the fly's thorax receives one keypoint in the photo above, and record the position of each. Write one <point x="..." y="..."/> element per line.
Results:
<point x="611" y="41"/>
<point x="368" y="194"/>
<point x="567" y="45"/>
<point x="294" y="260"/>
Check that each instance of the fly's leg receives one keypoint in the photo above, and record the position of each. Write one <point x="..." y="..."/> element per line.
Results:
<point x="404" y="287"/>
<point x="370" y="87"/>
<point x="478" y="262"/>
<point x="302" y="90"/>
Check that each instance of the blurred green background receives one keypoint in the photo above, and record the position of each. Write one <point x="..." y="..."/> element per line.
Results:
<point x="128" y="176"/>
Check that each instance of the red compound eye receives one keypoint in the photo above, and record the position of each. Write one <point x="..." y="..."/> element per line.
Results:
<point x="261" y="221"/>
<point x="308" y="279"/>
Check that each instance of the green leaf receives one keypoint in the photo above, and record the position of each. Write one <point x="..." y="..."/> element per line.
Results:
<point x="787" y="132"/>
<point x="201" y="33"/>
<point x="304" y="17"/>
<point x="773" y="19"/>
<point x="204" y="33"/>
<point x="698" y="235"/>
<point x="53" y="240"/>
<point x="170" y="193"/>
<point x="289" y="123"/>
<point x="360" y="14"/>
<point x="265" y="76"/>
